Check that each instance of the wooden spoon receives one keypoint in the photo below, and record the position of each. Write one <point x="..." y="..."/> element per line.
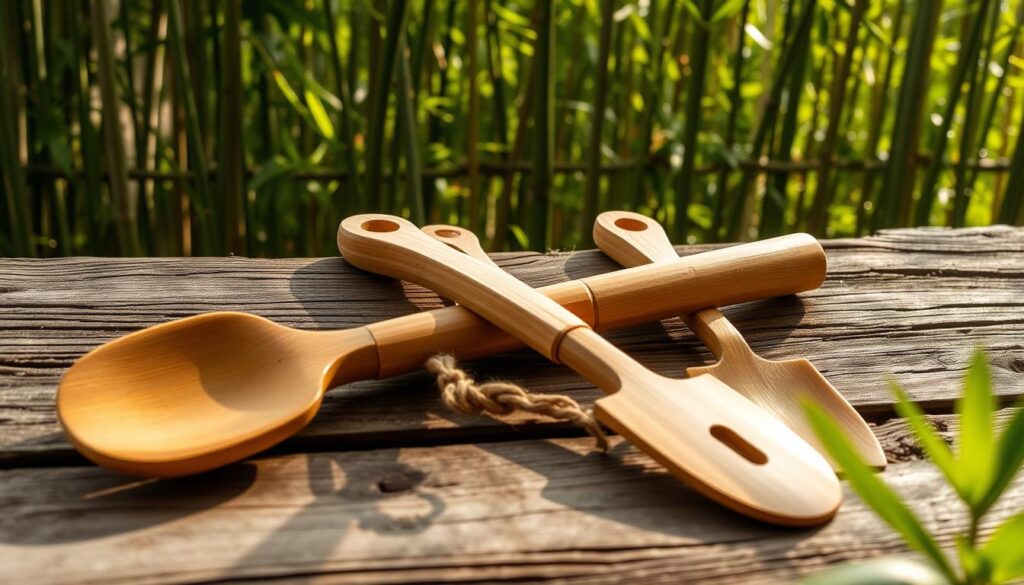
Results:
<point x="778" y="386"/>
<point x="715" y="439"/>
<point x="197" y="393"/>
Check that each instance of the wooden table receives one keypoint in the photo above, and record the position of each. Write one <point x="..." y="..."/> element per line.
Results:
<point x="386" y="485"/>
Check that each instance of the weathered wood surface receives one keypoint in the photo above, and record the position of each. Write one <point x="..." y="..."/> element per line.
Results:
<point x="485" y="504"/>
<point x="524" y="510"/>
<point x="907" y="303"/>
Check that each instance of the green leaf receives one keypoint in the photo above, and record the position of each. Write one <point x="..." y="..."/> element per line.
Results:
<point x="320" y="117"/>
<point x="875" y="493"/>
<point x="1009" y="458"/>
<point x="976" y="453"/>
<point x="1005" y="552"/>
<point x="727" y="9"/>
<point x="934" y="446"/>
<point x="288" y="92"/>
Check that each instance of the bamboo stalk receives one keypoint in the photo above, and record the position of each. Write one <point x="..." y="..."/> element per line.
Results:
<point x="966" y="63"/>
<point x="592" y="187"/>
<point x="818" y="220"/>
<point x="543" y="132"/>
<point x="775" y="199"/>
<point x="896" y="195"/>
<point x="997" y="93"/>
<point x="503" y="213"/>
<point x="476" y="206"/>
<point x="652" y="80"/>
<point x="744" y="198"/>
<point x="694" y="95"/>
<point x="879" y="107"/>
<point x="347" y="110"/>
<point x="413" y="167"/>
<point x="231" y="167"/>
<point x="201" y="203"/>
<point x="735" y="104"/>
<point x="16" y="194"/>
<point x="397" y="14"/>
<point x="124" y="206"/>
<point x="978" y="78"/>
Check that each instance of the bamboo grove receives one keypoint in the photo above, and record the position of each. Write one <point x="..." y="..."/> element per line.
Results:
<point x="175" y="127"/>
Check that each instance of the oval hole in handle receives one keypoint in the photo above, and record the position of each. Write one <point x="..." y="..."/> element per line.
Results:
<point x="630" y="224"/>
<point x="741" y="446"/>
<point x="448" y="233"/>
<point x="380" y="225"/>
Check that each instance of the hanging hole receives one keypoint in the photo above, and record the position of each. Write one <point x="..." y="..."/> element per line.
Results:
<point x="732" y="440"/>
<point x="630" y="224"/>
<point x="380" y="225"/>
<point x="447" y="233"/>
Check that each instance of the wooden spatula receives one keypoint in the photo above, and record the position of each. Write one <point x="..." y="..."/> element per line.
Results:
<point x="701" y="431"/>
<point x="632" y="239"/>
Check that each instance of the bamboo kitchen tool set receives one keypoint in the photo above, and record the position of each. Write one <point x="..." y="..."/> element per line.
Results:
<point x="197" y="393"/>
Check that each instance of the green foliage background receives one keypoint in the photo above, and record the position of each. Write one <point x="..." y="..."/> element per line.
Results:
<point x="168" y="127"/>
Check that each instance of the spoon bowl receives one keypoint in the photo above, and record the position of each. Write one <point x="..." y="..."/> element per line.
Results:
<point x="196" y="392"/>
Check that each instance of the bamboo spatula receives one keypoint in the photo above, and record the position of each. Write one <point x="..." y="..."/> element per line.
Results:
<point x="779" y="386"/>
<point x="715" y="439"/>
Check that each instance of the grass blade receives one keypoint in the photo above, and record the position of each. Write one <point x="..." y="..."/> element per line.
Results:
<point x="1004" y="552"/>
<point x="875" y="493"/>
<point x="975" y="457"/>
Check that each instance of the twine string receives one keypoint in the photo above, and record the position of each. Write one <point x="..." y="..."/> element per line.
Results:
<point x="461" y="393"/>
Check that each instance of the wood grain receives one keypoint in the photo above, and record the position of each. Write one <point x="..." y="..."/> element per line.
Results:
<point x="529" y="510"/>
<point x="910" y="303"/>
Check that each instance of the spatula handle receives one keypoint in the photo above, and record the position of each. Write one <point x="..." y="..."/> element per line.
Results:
<point x="632" y="239"/>
<point x="392" y="246"/>
<point x="726" y="276"/>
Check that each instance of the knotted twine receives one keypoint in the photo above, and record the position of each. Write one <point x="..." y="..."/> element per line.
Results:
<point x="462" y="393"/>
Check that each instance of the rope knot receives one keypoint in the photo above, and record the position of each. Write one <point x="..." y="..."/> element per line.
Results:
<point x="461" y="393"/>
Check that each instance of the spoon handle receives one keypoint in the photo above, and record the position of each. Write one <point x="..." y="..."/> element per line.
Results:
<point x="632" y="239"/>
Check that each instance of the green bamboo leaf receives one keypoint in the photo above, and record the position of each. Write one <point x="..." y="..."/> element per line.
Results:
<point x="727" y="10"/>
<point x="975" y="457"/>
<point x="1008" y="460"/>
<point x="875" y="493"/>
<point x="288" y="92"/>
<point x="934" y="446"/>
<point x="1004" y="552"/>
<point x="320" y="117"/>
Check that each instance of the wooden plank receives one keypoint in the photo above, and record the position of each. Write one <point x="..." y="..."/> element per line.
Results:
<point x="911" y="303"/>
<point x="526" y="510"/>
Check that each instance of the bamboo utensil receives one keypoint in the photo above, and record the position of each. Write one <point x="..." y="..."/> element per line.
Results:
<point x="716" y="440"/>
<point x="632" y="239"/>
<point x="197" y="393"/>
